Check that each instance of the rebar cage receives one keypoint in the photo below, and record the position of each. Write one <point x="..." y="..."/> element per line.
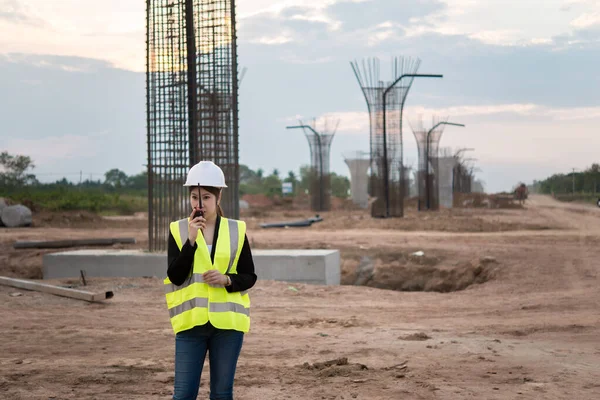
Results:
<point x="192" y="104"/>
<point x="319" y="141"/>
<point x="428" y="169"/>
<point x="391" y="146"/>
<point x="461" y="179"/>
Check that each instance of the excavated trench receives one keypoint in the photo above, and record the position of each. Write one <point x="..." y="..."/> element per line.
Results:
<point x="417" y="272"/>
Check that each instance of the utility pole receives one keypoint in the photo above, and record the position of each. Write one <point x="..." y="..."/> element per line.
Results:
<point x="573" y="181"/>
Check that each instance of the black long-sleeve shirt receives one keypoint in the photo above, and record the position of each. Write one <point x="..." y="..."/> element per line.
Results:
<point x="180" y="263"/>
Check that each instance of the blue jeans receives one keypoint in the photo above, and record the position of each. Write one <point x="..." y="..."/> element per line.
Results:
<point x="223" y="348"/>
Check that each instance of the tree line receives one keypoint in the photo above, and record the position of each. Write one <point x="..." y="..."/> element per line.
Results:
<point x="574" y="182"/>
<point x="15" y="173"/>
<point x="124" y="193"/>
<point x="256" y="182"/>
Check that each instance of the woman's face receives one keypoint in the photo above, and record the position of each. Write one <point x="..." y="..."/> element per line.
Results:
<point x="209" y="202"/>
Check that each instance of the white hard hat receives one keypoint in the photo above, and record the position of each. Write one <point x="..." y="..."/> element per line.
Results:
<point x="206" y="173"/>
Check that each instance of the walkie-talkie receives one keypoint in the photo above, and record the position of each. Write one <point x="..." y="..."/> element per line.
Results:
<point x="199" y="212"/>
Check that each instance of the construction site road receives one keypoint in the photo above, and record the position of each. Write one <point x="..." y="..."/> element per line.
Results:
<point x="529" y="330"/>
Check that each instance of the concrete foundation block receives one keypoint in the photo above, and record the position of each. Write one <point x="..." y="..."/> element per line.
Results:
<point x="320" y="267"/>
<point x="104" y="263"/>
<point x="303" y="266"/>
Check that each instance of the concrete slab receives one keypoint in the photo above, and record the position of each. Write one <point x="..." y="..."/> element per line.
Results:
<point x="303" y="266"/>
<point x="104" y="263"/>
<point x="320" y="267"/>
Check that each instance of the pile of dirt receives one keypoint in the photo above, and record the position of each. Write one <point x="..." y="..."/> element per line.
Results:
<point x="344" y="204"/>
<point x="322" y="322"/>
<point x="258" y="200"/>
<point x="337" y="367"/>
<point x="66" y="219"/>
<point x="21" y="264"/>
<point x="416" y="337"/>
<point x="413" y="273"/>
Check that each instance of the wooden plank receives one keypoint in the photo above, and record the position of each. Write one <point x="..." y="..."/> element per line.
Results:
<point x="54" y="244"/>
<point x="56" y="290"/>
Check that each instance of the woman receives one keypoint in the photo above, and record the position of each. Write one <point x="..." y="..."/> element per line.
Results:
<point x="210" y="270"/>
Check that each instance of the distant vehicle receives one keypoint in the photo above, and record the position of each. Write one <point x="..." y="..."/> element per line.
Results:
<point x="598" y="202"/>
<point x="521" y="193"/>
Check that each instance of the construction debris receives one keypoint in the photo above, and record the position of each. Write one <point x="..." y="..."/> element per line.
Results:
<point x="54" y="244"/>
<point x="419" y="336"/>
<point x="293" y="224"/>
<point x="56" y="290"/>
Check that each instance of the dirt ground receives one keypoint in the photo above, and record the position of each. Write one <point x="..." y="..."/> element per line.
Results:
<point x="487" y="304"/>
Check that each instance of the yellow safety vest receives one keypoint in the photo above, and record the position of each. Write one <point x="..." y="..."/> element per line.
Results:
<point x="195" y="303"/>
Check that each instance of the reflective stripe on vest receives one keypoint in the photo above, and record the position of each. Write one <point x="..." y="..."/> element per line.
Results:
<point x="233" y="233"/>
<point x="214" y="307"/>
<point x="195" y="302"/>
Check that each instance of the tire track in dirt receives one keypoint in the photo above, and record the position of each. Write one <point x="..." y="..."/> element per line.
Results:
<point x="580" y="269"/>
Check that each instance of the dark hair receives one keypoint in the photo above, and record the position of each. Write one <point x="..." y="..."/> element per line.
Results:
<point x="214" y="191"/>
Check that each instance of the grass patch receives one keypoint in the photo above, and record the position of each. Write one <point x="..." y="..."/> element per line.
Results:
<point x="578" y="197"/>
<point x="79" y="199"/>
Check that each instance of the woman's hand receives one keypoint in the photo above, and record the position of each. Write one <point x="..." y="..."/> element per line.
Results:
<point x="193" y="225"/>
<point x="215" y="278"/>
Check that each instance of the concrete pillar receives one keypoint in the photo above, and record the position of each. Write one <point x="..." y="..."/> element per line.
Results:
<point x="476" y="186"/>
<point x="444" y="179"/>
<point x="359" y="180"/>
<point x="407" y="182"/>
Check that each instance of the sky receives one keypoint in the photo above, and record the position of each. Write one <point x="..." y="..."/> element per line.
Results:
<point x="522" y="75"/>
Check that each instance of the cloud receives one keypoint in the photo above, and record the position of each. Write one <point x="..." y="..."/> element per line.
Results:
<point x="68" y="64"/>
<point x="499" y="72"/>
<point x="272" y="40"/>
<point x="586" y="20"/>
<point x="500" y="37"/>
<point x="493" y="22"/>
<point x="15" y="12"/>
<point x="72" y="114"/>
<point x="317" y="15"/>
<point x="342" y="22"/>
<point x="73" y="28"/>
<point x="357" y="122"/>
<point x="528" y="110"/>
<point x="584" y="26"/>
<point x="357" y="16"/>
<point x="292" y="58"/>
<point x="292" y="24"/>
<point x="49" y="150"/>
